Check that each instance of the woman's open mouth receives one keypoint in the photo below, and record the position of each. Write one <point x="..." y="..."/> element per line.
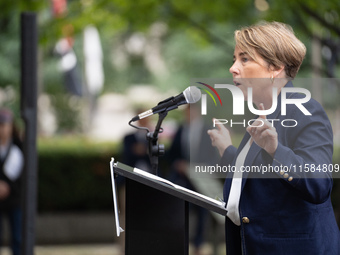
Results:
<point x="236" y="83"/>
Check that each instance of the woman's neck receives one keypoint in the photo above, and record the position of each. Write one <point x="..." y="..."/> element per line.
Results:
<point x="267" y="96"/>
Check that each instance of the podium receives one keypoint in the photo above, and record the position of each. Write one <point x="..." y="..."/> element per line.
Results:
<point x="157" y="212"/>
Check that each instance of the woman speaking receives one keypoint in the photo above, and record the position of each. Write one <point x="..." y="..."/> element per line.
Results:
<point x="290" y="212"/>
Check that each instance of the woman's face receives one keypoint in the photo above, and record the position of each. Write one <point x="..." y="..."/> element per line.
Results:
<point x="246" y="73"/>
<point x="5" y="131"/>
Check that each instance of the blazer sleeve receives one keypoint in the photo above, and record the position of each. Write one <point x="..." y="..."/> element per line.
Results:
<point x="304" y="154"/>
<point x="228" y="155"/>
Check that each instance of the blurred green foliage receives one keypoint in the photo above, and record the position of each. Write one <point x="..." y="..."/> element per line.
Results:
<point x="199" y="32"/>
<point x="198" y="41"/>
<point x="74" y="174"/>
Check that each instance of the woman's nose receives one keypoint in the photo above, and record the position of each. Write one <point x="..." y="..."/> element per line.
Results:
<point x="233" y="69"/>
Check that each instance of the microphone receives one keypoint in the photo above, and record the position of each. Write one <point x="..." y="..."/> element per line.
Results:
<point x="189" y="96"/>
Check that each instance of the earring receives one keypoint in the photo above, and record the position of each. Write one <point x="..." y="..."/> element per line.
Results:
<point x="272" y="79"/>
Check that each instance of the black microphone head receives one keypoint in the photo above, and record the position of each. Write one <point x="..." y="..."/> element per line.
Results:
<point x="192" y="94"/>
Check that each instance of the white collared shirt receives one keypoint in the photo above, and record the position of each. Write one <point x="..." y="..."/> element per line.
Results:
<point x="236" y="185"/>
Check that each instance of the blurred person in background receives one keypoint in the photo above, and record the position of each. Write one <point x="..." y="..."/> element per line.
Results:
<point x="134" y="154"/>
<point x="12" y="162"/>
<point x="189" y="137"/>
<point x="135" y="146"/>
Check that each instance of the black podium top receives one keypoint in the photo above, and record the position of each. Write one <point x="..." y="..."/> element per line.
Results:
<point x="170" y="188"/>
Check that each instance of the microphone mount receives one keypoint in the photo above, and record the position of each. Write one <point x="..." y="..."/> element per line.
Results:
<point x="155" y="150"/>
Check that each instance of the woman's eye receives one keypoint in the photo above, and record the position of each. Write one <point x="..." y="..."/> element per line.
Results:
<point x="245" y="59"/>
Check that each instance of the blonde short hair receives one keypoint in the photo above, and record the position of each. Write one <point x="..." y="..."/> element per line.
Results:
<point x="275" y="42"/>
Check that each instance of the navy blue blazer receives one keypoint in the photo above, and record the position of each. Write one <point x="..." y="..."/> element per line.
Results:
<point x="291" y="213"/>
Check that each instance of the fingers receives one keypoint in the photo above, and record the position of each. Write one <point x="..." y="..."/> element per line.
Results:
<point x="262" y="109"/>
<point x="259" y="125"/>
<point x="220" y="137"/>
<point x="218" y="124"/>
<point x="262" y="131"/>
<point x="211" y="133"/>
<point x="214" y="134"/>
<point x="256" y="125"/>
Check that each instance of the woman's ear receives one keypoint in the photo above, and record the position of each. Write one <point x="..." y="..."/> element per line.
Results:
<point x="279" y="72"/>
